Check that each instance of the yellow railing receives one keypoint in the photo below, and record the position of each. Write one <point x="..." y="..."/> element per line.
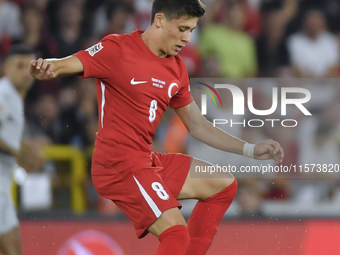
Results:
<point x="78" y="173"/>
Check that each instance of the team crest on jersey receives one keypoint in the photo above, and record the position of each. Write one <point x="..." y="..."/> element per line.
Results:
<point x="173" y="89"/>
<point x="95" y="49"/>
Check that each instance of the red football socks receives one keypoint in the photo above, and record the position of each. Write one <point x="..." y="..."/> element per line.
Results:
<point x="174" y="241"/>
<point x="205" y="217"/>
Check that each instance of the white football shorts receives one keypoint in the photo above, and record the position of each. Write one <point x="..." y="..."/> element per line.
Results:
<point x="8" y="215"/>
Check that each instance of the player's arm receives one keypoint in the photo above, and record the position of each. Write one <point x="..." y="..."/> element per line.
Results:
<point x="5" y="149"/>
<point x="47" y="69"/>
<point x="203" y="130"/>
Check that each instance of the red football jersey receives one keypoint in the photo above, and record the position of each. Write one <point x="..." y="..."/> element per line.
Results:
<point x="134" y="88"/>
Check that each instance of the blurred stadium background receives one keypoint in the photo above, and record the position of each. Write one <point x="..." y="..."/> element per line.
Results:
<point x="277" y="39"/>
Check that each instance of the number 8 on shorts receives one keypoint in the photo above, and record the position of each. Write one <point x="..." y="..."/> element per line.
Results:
<point x="156" y="186"/>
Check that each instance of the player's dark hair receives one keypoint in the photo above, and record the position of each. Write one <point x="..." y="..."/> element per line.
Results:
<point x="19" y="49"/>
<point x="177" y="8"/>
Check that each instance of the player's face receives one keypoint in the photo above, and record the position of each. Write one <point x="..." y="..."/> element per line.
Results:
<point x="177" y="33"/>
<point x="16" y="70"/>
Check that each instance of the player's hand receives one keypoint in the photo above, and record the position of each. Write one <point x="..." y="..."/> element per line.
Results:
<point x="269" y="150"/>
<point x="42" y="69"/>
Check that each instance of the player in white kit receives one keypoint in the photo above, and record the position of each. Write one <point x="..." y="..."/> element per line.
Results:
<point x="13" y="88"/>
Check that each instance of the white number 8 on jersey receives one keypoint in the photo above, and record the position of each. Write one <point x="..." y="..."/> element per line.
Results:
<point x="152" y="111"/>
<point x="156" y="186"/>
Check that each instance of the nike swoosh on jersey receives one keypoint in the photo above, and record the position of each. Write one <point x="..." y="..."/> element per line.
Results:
<point x="133" y="82"/>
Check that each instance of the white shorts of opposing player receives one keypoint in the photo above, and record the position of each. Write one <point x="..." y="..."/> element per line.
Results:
<point x="8" y="215"/>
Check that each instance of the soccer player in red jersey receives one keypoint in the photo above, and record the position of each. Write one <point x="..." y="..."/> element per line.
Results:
<point x="138" y="75"/>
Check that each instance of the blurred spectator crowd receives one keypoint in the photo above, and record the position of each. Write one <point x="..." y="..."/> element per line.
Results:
<point x="235" y="39"/>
